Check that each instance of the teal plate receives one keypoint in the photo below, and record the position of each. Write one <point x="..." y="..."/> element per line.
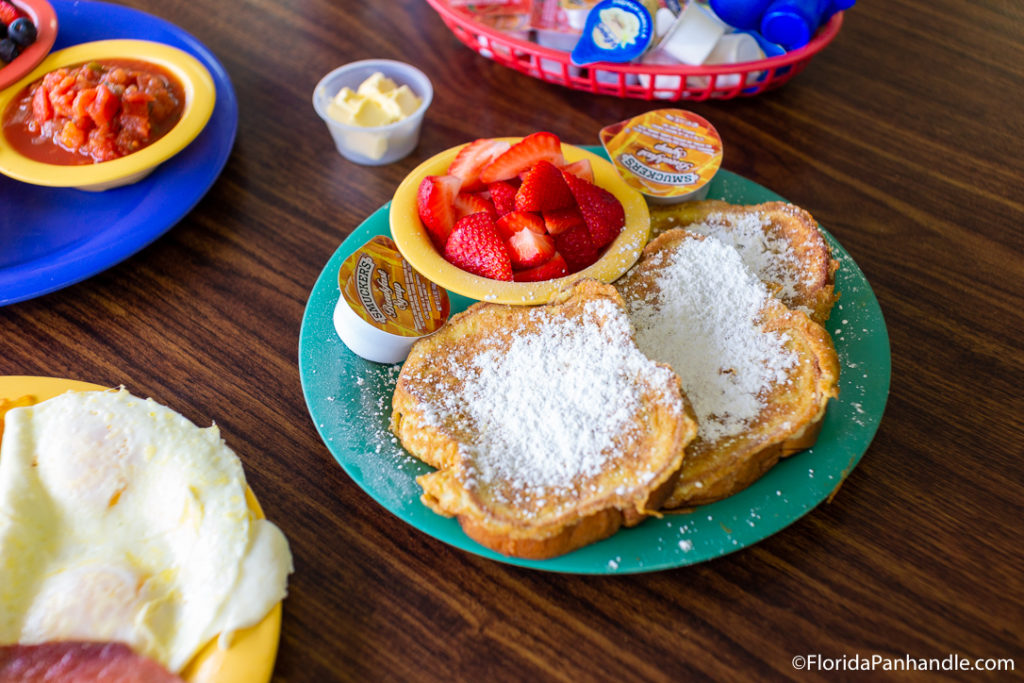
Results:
<point x="349" y="400"/>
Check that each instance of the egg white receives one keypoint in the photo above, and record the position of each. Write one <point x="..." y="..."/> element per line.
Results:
<point x="121" y="520"/>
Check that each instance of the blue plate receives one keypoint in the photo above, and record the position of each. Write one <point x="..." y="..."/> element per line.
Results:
<point x="54" y="237"/>
<point x="349" y="400"/>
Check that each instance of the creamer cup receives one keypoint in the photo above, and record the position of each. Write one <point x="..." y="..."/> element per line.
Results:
<point x="615" y="31"/>
<point x="668" y="155"/>
<point x="693" y="35"/>
<point x="384" y="305"/>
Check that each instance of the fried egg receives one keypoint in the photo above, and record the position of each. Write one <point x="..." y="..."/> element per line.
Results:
<point x="120" y="520"/>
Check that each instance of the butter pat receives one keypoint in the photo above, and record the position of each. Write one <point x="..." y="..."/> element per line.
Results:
<point x="370" y="145"/>
<point x="378" y="101"/>
<point x="397" y="100"/>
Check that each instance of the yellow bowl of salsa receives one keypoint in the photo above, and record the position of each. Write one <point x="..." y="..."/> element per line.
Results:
<point x="103" y="114"/>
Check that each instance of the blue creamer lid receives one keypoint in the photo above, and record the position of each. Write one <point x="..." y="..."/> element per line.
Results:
<point x="615" y="31"/>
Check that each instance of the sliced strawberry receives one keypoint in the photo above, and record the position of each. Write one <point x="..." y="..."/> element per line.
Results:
<point x="475" y="247"/>
<point x="472" y="158"/>
<point x="435" y="203"/>
<point x="513" y="222"/>
<point x="581" y="168"/>
<point x="561" y="220"/>
<point x="8" y="13"/>
<point x="503" y="195"/>
<point x="577" y="247"/>
<point x="541" y="146"/>
<point x="601" y="210"/>
<point x="529" y="249"/>
<point x="543" y="189"/>
<point x="472" y="202"/>
<point x="549" y="270"/>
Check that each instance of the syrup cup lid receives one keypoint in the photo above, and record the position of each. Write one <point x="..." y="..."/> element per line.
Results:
<point x="669" y="155"/>
<point x="384" y="305"/>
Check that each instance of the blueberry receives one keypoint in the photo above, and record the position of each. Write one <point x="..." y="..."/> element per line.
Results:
<point x="8" y="50"/>
<point x="22" y="31"/>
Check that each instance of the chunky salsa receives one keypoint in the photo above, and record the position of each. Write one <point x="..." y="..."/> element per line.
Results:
<point x="93" y="112"/>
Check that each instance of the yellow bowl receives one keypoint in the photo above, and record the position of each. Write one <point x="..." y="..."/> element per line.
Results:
<point x="415" y="245"/>
<point x="200" y="94"/>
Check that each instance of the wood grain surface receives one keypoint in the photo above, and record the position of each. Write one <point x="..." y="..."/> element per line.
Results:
<point x="903" y="137"/>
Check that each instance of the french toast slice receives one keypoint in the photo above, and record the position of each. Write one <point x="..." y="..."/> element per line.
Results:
<point x="548" y="428"/>
<point x="758" y="374"/>
<point x="778" y="241"/>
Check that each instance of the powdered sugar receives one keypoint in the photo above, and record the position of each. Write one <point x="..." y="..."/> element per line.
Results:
<point x="770" y="256"/>
<point x="703" y="321"/>
<point x="548" y="407"/>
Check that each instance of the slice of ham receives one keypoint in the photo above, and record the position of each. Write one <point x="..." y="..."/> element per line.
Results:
<point x="76" y="662"/>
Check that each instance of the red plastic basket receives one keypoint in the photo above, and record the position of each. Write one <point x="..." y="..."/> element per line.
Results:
<point x="641" y="81"/>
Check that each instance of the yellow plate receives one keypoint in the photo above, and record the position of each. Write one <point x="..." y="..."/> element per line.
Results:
<point x="414" y="242"/>
<point x="251" y="655"/>
<point x="199" y="99"/>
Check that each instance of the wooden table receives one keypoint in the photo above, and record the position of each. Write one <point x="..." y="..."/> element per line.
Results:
<point x="903" y="137"/>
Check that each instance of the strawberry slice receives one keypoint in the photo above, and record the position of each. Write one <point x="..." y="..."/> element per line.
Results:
<point x="577" y="247"/>
<point x="472" y="158"/>
<point x="503" y="195"/>
<point x="8" y="12"/>
<point x="529" y="249"/>
<point x="516" y="221"/>
<point x="561" y="220"/>
<point x="581" y="168"/>
<point x="543" y="189"/>
<point x="435" y="203"/>
<point x="475" y="247"/>
<point x="541" y="146"/>
<point x="549" y="270"/>
<point x="472" y="202"/>
<point x="601" y="210"/>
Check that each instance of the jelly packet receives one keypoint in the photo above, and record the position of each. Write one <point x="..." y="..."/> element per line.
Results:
<point x="509" y="16"/>
<point x="668" y="155"/>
